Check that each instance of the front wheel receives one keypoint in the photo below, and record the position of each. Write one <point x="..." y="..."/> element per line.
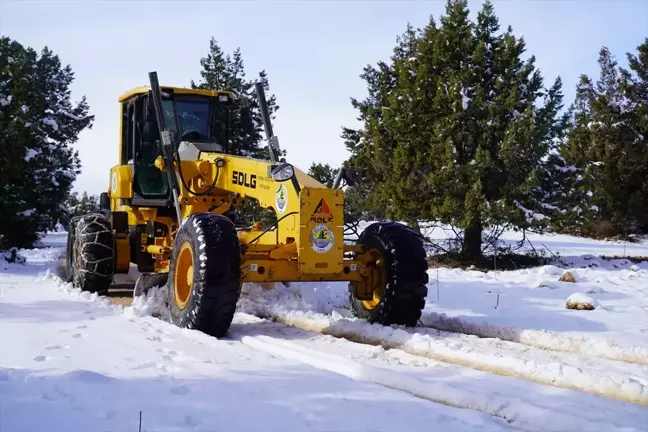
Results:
<point x="205" y="276"/>
<point x="395" y="288"/>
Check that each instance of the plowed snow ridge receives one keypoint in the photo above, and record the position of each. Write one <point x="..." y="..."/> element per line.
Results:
<point x="511" y="410"/>
<point x="618" y="386"/>
<point x="544" y="339"/>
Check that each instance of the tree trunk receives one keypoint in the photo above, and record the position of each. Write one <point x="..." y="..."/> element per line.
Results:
<point x="413" y="223"/>
<point x="472" y="240"/>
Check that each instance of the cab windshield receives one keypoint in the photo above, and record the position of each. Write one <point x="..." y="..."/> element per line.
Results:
<point x="193" y="119"/>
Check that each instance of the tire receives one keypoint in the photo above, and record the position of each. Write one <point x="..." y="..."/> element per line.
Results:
<point x="91" y="253"/>
<point x="69" y="251"/>
<point x="146" y="281"/>
<point x="405" y="273"/>
<point x="204" y="297"/>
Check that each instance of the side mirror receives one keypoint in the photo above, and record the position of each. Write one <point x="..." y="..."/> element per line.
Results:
<point x="281" y="172"/>
<point x="104" y="201"/>
<point x="246" y="120"/>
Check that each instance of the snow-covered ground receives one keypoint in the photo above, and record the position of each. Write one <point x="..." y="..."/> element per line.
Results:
<point x="296" y="360"/>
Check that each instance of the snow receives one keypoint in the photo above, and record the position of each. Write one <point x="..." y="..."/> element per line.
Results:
<point x="491" y="356"/>
<point x="71" y="361"/>
<point x="296" y="359"/>
<point x="464" y="99"/>
<point x="529" y="214"/>
<point x="30" y="154"/>
<point x="569" y="168"/>
<point x="51" y="122"/>
<point x="72" y="116"/>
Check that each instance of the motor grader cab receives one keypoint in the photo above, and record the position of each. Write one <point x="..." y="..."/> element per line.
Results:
<point x="171" y="210"/>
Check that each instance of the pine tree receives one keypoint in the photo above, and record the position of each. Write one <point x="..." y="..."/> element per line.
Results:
<point x="372" y="147"/>
<point x="323" y="173"/>
<point x="458" y="129"/>
<point x="38" y="124"/>
<point x="227" y="72"/>
<point x="608" y="139"/>
<point x="76" y="205"/>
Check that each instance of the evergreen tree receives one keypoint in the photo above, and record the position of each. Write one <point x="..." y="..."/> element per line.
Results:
<point x="38" y="124"/>
<point x="458" y="128"/>
<point x="323" y="173"/>
<point x="76" y="205"/>
<point x="226" y="72"/>
<point x="608" y="139"/>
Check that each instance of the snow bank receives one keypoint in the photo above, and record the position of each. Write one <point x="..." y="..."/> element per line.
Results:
<point x="153" y="303"/>
<point x="596" y="346"/>
<point x="517" y="412"/>
<point x="439" y="347"/>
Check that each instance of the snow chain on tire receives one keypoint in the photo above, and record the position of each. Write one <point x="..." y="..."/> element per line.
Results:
<point x="69" y="251"/>
<point x="207" y="254"/>
<point x="91" y="253"/>
<point x="406" y="275"/>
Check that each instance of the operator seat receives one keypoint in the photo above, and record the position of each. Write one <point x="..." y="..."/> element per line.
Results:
<point x="150" y="181"/>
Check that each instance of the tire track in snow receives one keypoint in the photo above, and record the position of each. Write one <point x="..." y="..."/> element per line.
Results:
<point x="516" y="412"/>
<point x="461" y="352"/>
<point x="544" y="339"/>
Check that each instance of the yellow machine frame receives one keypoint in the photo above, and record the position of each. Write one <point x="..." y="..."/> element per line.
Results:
<point x="306" y="245"/>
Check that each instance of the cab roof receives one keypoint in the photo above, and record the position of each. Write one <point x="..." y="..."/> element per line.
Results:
<point x="176" y="90"/>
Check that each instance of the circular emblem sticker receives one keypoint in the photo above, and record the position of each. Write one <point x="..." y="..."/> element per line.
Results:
<point x="281" y="198"/>
<point x="321" y="238"/>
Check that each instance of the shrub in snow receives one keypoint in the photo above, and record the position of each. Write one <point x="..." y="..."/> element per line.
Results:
<point x="581" y="301"/>
<point x="568" y="277"/>
<point x="12" y="256"/>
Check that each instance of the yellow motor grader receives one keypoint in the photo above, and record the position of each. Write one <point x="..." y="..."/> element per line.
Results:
<point x="171" y="210"/>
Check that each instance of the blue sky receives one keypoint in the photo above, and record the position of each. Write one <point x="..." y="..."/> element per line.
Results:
<point x="313" y="52"/>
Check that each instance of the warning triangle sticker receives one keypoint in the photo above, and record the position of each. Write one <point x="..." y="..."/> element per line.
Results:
<point x="322" y="207"/>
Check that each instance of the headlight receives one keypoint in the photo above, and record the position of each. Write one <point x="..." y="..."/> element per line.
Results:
<point x="283" y="172"/>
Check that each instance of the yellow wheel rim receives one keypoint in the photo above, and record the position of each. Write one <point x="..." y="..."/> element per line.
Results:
<point x="183" y="275"/>
<point x="377" y="279"/>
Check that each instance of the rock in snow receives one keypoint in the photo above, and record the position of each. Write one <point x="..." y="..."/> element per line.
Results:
<point x="581" y="301"/>
<point x="567" y="277"/>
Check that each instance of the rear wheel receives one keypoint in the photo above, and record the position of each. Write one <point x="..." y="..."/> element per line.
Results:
<point x="91" y="253"/>
<point x="69" y="252"/>
<point x="205" y="275"/>
<point x="394" y="291"/>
